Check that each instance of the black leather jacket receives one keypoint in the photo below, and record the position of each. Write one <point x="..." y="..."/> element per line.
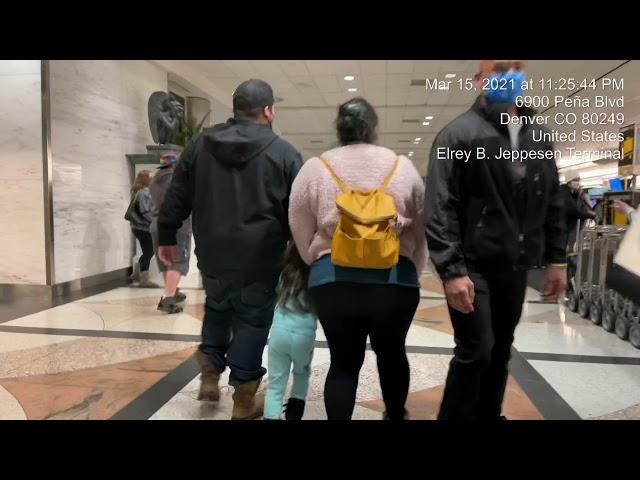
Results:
<point x="474" y="217"/>
<point x="575" y="208"/>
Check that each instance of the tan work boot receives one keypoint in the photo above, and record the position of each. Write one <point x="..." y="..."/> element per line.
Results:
<point x="246" y="404"/>
<point x="209" y="389"/>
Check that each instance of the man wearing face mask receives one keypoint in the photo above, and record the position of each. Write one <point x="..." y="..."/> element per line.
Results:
<point x="489" y="219"/>
<point x="235" y="180"/>
<point x="577" y="206"/>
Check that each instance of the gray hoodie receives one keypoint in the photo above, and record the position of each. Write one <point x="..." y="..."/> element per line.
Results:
<point x="158" y="188"/>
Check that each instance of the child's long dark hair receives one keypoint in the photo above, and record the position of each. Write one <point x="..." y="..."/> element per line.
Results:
<point x="293" y="294"/>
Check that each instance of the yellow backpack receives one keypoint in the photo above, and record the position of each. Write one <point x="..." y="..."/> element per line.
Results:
<point x="365" y="236"/>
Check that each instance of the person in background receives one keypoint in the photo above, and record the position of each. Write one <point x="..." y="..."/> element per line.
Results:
<point x="355" y="303"/>
<point x="140" y="214"/>
<point x="179" y="267"/>
<point x="292" y="340"/>
<point x="577" y="205"/>
<point x="235" y="178"/>
<point x="489" y="217"/>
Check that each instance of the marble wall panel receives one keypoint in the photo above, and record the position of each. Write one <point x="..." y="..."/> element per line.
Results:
<point x="22" y="257"/>
<point x="99" y="114"/>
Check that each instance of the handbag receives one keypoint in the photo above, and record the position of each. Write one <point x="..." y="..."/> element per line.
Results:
<point x="624" y="274"/>
<point x="133" y="215"/>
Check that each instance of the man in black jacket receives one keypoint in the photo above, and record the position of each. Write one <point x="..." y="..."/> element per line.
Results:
<point x="576" y="205"/>
<point x="235" y="180"/>
<point x="488" y="219"/>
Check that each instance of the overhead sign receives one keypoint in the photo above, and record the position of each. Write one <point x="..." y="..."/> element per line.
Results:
<point x="629" y="163"/>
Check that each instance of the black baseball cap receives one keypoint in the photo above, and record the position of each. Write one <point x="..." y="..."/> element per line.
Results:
<point x="252" y="94"/>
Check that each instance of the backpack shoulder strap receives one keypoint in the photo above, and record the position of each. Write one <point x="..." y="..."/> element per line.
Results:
<point x="385" y="184"/>
<point x="340" y="183"/>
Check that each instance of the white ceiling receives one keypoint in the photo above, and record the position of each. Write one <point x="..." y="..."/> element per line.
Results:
<point x="312" y="89"/>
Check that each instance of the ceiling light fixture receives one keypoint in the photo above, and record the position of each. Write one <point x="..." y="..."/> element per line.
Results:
<point x="418" y="139"/>
<point x="430" y="117"/>
<point x="353" y="89"/>
<point x="349" y="78"/>
<point x="425" y="124"/>
<point x="450" y="75"/>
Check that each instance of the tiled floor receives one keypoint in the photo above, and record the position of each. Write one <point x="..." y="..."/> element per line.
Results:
<point x="112" y="355"/>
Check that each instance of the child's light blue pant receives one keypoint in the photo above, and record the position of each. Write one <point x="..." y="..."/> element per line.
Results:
<point x="287" y="348"/>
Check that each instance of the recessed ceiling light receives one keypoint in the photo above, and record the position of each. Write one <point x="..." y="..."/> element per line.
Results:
<point x="411" y="154"/>
<point x="349" y="78"/>
<point x="425" y="124"/>
<point x="353" y="89"/>
<point x="418" y="139"/>
<point x="450" y="75"/>
<point x="430" y="117"/>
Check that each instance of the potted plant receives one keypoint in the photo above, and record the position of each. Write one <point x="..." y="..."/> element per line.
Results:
<point x="190" y="131"/>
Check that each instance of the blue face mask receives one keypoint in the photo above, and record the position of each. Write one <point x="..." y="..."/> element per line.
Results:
<point x="504" y="87"/>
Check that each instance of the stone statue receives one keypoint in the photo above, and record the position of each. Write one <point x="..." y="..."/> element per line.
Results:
<point x="165" y="117"/>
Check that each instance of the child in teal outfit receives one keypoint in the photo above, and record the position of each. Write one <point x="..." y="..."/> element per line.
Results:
<point x="292" y="340"/>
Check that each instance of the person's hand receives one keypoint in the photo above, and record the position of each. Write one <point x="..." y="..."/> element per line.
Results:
<point x="621" y="207"/>
<point x="460" y="293"/>
<point x="166" y="254"/>
<point x="555" y="282"/>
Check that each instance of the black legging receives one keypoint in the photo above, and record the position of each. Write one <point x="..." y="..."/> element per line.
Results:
<point x="349" y="312"/>
<point x="146" y="243"/>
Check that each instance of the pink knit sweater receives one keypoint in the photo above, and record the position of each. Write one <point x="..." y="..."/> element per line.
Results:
<point x="313" y="214"/>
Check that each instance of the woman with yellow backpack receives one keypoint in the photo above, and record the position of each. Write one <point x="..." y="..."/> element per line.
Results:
<point x="356" y="217"/>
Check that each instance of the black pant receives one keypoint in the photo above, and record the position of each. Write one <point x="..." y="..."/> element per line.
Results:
<point x="146" y="243"/>
<point x="237" y="317"/>
<point x="478" y="372"/>
<point x="349" y="312"/>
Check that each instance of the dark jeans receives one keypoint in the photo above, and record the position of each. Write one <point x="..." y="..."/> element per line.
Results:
<point x="478" y="372"/>
<point x="146" y="244"/>
<point x="349" y="312"/>
<point x="237" y="319"/>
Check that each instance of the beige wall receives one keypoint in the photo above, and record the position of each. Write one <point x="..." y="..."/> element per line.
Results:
<point x="22" y="256"/>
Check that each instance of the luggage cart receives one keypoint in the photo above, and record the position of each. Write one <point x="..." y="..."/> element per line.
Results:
<point x="582" y="289"/>
<point x="618" y="309"/>
<point x="571" y="297"/>
<point x="577" y="261"/>
<point x="606" y="246"/>
<point x="614" y="305"/>
<point x="626" y="320"/>
<point x="634" y="329"/>
<point x="594" y="285"/>
<point x="587" y="293"/>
